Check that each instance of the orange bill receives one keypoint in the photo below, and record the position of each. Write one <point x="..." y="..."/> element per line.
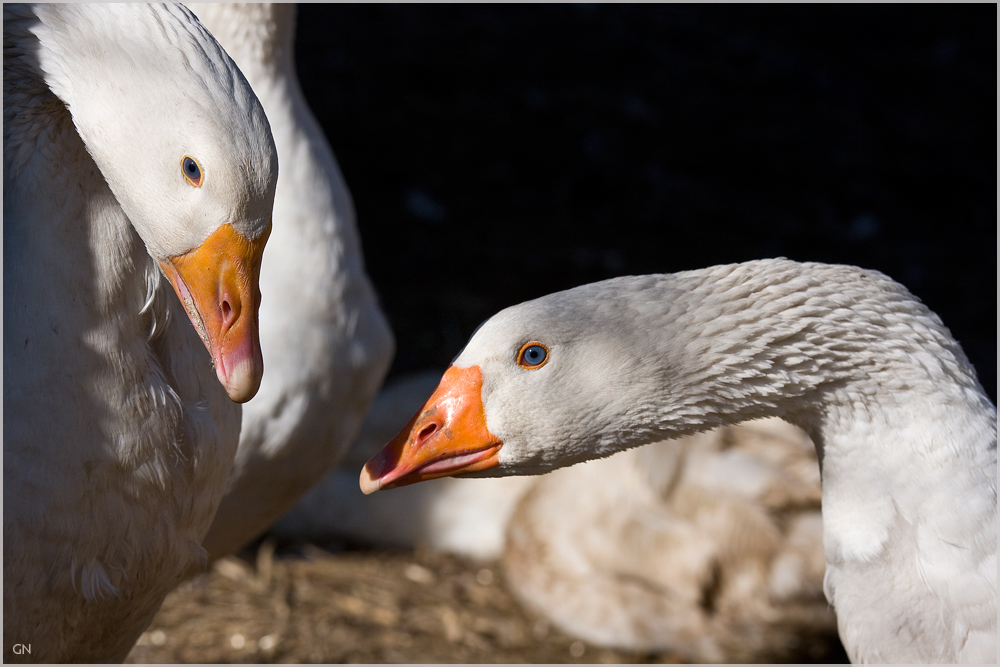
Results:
<point x="218" y="283"/>
<point x="448" y="436"/>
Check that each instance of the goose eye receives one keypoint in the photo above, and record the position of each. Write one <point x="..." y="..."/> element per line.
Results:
<point x="192" y="171"/>
<point x="532" y="355"/>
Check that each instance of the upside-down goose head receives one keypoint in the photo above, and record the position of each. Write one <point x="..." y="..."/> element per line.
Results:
<point x="191" y="161"/>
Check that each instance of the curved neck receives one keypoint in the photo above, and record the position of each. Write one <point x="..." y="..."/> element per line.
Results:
<point x="45" y="155"/>
<point x="905" y="433"/>
<point x="141" y="47"/>
<point x="259" y="37"/>
<point x="806" y="342"/>
<point x="846" y="354"/>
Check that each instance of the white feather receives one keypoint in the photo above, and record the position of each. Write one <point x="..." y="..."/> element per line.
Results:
<point x="905" y="433"/>
<point x="118" y="437"/>
<point x="326" y="343"/>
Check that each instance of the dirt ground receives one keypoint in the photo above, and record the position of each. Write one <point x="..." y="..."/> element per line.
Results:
<point x="303" y="603"/>
<point x="306" y="604"/>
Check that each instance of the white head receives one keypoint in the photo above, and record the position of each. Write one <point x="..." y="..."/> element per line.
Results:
<point x="185" y="147"/>
<point x="541" y="385"/>
<point x="558" y="372"/>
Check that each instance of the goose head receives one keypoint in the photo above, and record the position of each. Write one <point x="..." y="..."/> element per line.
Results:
<point x="186" y="149"/>
<point x="540" y="385"/>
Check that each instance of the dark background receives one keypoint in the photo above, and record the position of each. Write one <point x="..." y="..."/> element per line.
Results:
<point x="496" y="154"/>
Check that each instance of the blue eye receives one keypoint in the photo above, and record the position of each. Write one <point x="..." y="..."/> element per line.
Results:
<point x="192" y="171"/>
<point x="532" y="355"/>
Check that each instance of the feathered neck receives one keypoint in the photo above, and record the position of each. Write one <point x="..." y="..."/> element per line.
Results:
<point x="905" y="434"/>
<point x="807" y="340"/>
<point x="260" y="37"/>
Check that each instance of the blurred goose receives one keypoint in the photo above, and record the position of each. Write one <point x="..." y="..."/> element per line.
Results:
<point x="905" y="434"/>
<point x="148" y="153"/>
<point x="326" y="342"/>
<point x="709" y="546"/>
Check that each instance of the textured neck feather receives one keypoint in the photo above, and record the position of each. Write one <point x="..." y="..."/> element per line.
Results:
<point x="906" y="436"/>
<point x="153" y="40"/>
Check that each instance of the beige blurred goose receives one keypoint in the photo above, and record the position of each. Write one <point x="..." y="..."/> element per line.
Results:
<point x="326" y="342"/>
<point x="905" y="434"/>
<point x="131" y="143"/>
<point x="709" y="547"/>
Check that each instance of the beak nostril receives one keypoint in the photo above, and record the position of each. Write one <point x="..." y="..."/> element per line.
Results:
<point x="426" y="432"/>
<point x="227" y="313"/>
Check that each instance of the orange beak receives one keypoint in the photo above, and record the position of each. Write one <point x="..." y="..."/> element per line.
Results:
<point x="448" y="436"/>
<point x="219" y="284"/>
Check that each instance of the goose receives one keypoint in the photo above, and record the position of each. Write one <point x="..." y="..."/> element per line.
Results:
<point x="904" y="433"/>
<point x="327" y="343"/>
<point x="708" y="547"/>
<point x="133" y="149"/>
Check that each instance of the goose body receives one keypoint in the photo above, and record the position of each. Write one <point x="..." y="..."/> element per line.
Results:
<point x="149" y="153"/>
<point x="709" y="547"/>
<point x="905" y="434"/>
<point x="327" y="343"/>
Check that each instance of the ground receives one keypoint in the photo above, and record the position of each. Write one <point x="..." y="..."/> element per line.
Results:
<point x="313" y="605"/>
<point x="366" y="606"/>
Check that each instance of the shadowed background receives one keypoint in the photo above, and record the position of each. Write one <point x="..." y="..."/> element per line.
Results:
<point x="496" y="154"/>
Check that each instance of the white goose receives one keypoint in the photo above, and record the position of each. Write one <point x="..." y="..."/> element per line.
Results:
<point x="905" y="435"/>
<point x="131" y="143"/>
<point x="326" y="342"/>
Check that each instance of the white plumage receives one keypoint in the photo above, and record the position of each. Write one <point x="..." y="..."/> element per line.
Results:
<point x="906" y="436"/>
<point x="118" y="435"/>
<point x="325" y="340"/>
